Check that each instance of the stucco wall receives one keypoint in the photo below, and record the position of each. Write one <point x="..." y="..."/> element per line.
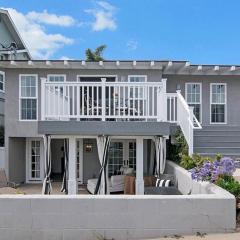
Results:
<point x="17" y="162"/>
<point x="114" y="217"/>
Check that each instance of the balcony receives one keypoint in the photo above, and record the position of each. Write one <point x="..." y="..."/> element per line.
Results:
<point x="104" y="101"/>
<point x="116" y="102"/>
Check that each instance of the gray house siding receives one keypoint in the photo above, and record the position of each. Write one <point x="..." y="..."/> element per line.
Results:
<point x="214" y="138"/>
<point x="233" y="96"/>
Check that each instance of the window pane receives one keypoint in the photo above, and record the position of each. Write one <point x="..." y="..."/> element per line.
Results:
<point x="193" y="93"/>
<point x="218" y="113"/>
<point x="137" y="79"/>
<point x="35" y="159"/>
<point x="28" y="109"/>
<point x="28" y="86"/>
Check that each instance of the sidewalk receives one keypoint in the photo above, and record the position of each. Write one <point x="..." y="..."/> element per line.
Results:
<point x="227" y="236"/>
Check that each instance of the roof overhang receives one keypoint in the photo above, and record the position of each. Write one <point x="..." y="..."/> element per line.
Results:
<point x="167" y="67"/>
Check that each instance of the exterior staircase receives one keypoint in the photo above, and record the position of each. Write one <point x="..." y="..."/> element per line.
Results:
<point x="211" y="140"/>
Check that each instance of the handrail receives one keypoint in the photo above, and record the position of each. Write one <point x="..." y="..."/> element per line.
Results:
<point x="186" y="120"/>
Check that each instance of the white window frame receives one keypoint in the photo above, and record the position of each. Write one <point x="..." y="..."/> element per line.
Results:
<point x="3" y="74"/>
<point x="225" y="113"/>
<point x="20" y="98"/>
<point x="56" y="75"/>
<point x="196" y="83"/>
<point x="29" y="179"/>
<point x="145" y="77"/>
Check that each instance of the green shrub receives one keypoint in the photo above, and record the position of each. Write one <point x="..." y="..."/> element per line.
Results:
<point x="179" y="148"/>
<point x="230" y="184"/>
<point x="196" y="160"/>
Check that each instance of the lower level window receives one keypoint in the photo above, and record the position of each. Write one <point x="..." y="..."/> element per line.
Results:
<point x="35" y="160"/>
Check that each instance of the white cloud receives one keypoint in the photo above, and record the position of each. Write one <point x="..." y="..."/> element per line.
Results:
<point x="103" y="16"/>
<point x="132" y="45"/>
<point x="65" y="58"/>
<point x="52" y="19"/>
<point x="40" y="43"/>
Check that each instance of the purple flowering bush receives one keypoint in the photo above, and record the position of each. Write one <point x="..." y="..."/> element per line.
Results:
<point x="212" y="171"/>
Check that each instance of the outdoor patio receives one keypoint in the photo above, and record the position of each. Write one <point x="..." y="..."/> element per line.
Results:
<point x="36" y="188"/>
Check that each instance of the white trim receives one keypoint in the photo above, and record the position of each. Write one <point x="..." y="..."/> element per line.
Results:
<point x="145" y="77"/>
<point x="3" y="74"/>
<point x="79" y="142"/>
<point x="197" y="83"/>
<point x="96" y="75"/>
<point x="29" y="179"/>
<point x="56" y="75"/>
<point x="19" y="98"/>
<point x="225" y="104"/>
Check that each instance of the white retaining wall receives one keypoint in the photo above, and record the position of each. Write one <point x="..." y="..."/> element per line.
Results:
<point x="116" y="216"/>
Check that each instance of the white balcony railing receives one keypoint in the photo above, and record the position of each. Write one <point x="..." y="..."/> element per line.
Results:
<point x="103" y="100"/>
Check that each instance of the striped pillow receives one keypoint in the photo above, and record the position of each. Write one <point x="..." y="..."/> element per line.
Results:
<point x="163" y="183"/>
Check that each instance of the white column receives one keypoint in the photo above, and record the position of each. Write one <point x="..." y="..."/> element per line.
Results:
<point x="43" y="98"/>
<point x="162" y="102"/>
<point x="139" y="166"/>
<point x="72" y="178"/>
<point x="103" y="99"/>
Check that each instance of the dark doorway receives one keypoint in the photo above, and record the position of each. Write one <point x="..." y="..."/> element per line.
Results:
<point x="57" y="159"/>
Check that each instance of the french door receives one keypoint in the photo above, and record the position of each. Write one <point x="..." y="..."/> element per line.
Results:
<point x="34" y="154"/>
<point x="121" y="153"/>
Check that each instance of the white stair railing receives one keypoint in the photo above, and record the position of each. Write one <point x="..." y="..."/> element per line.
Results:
<point x="186" y="120"/>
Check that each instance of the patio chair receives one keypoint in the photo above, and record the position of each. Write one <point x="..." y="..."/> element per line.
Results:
<point x="4" y="182"/>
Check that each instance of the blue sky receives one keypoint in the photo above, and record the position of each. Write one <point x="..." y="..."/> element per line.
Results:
<point x="201" y="31"/>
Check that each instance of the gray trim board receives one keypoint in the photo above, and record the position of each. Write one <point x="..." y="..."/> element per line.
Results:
<point x="103" y="128"/>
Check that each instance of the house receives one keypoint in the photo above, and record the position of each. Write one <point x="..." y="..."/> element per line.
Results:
<point x="11" y="47"/>
<point x="114" y="111"/>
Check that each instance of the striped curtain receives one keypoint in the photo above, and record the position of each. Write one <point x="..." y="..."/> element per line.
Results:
<point x="102" y="145"/>
<point x="65" y="174"/>
<point x="160" y="147"/>
<point x="47" y="187"/>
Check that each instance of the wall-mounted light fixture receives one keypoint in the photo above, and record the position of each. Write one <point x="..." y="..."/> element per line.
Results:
<point x="88" y="147"/>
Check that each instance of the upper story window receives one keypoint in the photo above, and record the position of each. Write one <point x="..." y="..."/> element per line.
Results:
<point x="2" y="81"/>
<point x="194" y="98"/>
<point x="137" y="92"/>
<point x="56" y="78"/>
<point x="28" y="97"/>
<point x="218" y="100"/>
<point x="137" y="78"/>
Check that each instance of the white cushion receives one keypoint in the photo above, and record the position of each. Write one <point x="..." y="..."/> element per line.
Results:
<point x="117" y="180"/>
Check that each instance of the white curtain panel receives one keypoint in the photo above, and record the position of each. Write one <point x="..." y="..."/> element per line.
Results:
<point x="102" y="146"/>
<point x="47" y="187"/>
<point x="160" y="146"/>
<point x="152" y="157"/>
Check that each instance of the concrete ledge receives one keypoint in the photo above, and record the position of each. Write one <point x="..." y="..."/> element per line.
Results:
<point x="84" y="217"/>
